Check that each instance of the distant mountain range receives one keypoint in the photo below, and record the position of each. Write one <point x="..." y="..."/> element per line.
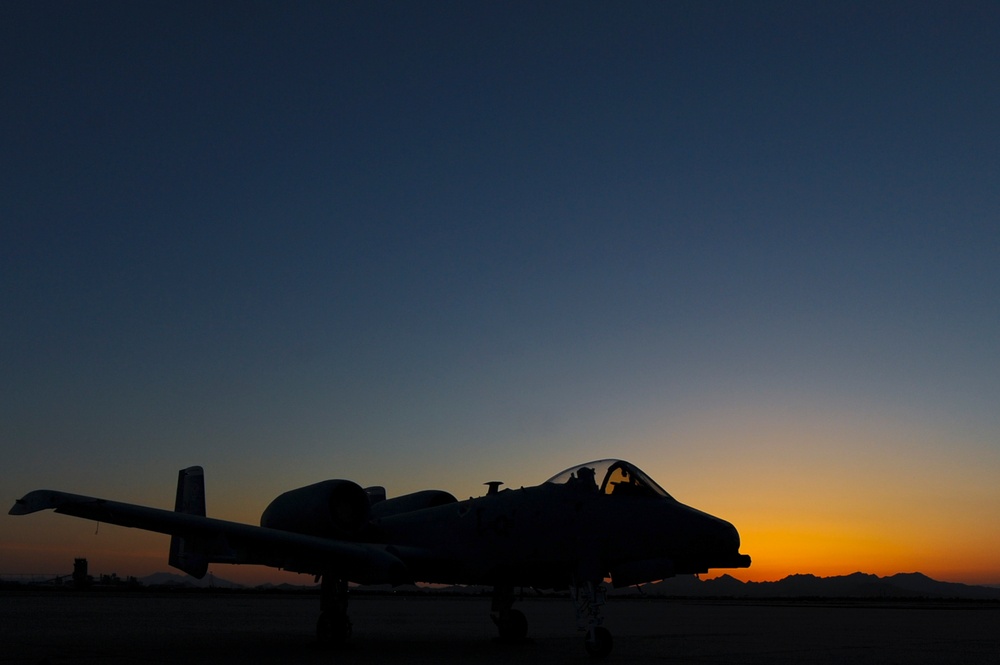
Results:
<point x="856" y="585"/>
<point x="186" y="581"/>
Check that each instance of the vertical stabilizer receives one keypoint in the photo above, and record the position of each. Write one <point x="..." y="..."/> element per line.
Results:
<point x="185" y="554"/>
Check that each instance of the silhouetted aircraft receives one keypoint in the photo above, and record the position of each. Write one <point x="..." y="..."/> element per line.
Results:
<point x="600" y="520"/>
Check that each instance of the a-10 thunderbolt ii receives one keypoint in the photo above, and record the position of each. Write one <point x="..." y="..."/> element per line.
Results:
<point x="600" y="520"/>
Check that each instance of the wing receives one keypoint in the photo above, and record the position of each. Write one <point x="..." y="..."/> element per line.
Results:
<point x="222" y="541"/>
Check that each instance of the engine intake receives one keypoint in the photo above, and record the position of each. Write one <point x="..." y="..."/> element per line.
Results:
<point x="329" y="509"/>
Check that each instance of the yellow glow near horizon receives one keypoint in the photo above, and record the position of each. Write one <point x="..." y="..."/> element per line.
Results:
<point x="826" y="494"/>
<point x="777" y="552"/>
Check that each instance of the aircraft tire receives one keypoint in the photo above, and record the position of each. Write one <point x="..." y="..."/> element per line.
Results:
<point x="600" y="643"/>
<point x="333" y="628"/>
<point x="512" y="625"/>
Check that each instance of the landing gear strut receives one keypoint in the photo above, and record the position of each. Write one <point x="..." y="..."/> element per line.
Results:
<point x="511" y="623"/>
<point x="588" y="599"/>
<point x="333" y="627"/>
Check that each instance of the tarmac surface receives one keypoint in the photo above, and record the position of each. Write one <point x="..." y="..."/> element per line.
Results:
<point x="67" y="628"/>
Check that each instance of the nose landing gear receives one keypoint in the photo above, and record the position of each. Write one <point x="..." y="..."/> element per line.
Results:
<point x="599" y="642"/>
<point x="588" y="599"/>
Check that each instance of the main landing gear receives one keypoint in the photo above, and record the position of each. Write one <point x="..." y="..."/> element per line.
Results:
<point x="511" y="624"/>
<point x="334" y="626"/>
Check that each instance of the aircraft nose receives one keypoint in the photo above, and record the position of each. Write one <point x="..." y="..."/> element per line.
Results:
<point x="718" y="538"/>
<point x="721" y="536"/>
<point x="724" y="545"/>
<point x="730" y="536"/>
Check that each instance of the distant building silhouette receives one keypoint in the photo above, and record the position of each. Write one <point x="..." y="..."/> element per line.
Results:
<point x="81" y="580"/>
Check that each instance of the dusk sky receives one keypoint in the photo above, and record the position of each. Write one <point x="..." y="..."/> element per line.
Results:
<point x="753" y="248"/>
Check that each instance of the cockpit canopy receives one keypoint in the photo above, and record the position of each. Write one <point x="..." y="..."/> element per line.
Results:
<point x="613" y="477"/>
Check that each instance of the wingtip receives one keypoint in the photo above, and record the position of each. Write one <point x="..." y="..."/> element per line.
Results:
<point x="32" y="502"/>
<point x="19" y="508"/>
<point x="37" y="500"/>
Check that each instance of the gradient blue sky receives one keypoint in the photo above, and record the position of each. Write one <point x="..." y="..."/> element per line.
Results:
<point x="752" y="247"/>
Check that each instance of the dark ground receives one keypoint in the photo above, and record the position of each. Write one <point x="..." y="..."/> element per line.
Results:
<point x="66" y="628"/>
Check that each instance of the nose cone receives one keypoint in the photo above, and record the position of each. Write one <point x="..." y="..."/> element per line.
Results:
<point x="718" y="537"/>
<point x="730" y="536"/>
<point x="713" y="543"/>
<point x="726" y="547"/>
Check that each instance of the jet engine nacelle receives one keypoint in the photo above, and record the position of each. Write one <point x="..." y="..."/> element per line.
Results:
<point x="330" y="509"/>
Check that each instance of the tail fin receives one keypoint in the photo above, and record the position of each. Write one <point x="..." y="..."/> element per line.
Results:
<point x="185" y="553"/>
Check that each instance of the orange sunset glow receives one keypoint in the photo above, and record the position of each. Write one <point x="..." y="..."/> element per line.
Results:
<point x="751" y="248"/>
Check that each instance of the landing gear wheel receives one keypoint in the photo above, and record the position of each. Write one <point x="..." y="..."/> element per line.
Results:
<point x="512" y="625"/>
<point x="333" y="629"/>
<point x="599" y="642"/>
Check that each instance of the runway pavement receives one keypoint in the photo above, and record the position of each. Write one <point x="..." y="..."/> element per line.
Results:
<point x="67" y="628"/>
